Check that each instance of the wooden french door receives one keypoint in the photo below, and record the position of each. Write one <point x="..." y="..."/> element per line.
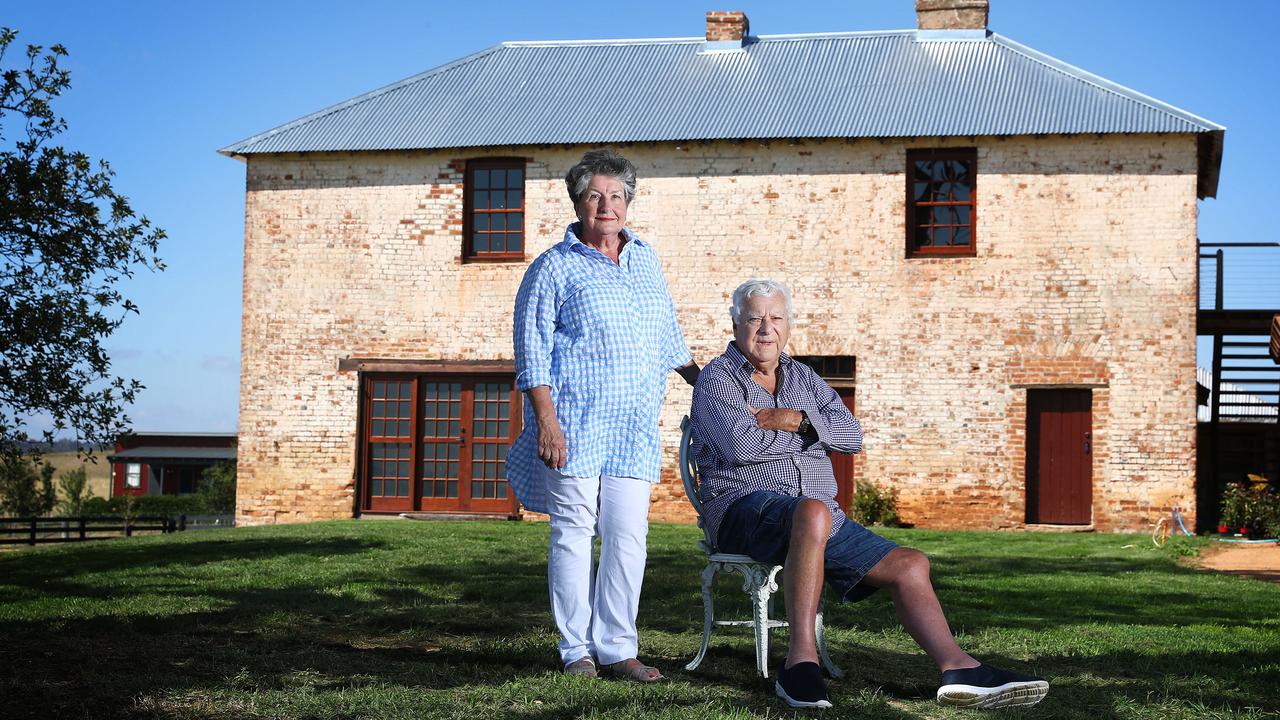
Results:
<point x="1060" y="457"/>
<point x="842" y="464"/>
<point x="439" y="442"/>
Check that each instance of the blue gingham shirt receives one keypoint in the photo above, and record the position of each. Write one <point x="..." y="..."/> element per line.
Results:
<point x="603" y="337"/>
<point x="736" y="458"/>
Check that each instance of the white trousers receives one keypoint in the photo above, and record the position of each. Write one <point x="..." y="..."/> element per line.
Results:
<point x="595" y="611"/>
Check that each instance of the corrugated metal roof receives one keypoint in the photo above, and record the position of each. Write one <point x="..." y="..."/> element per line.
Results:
<point x="880" y="84"/>
<point x="162" y="455"/>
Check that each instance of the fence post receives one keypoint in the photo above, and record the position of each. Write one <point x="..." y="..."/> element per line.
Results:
<point x="81" y="527"/>
<point x="182" y="523"/>
<point x="128" y="529"/>
<point x="33" y="531"/>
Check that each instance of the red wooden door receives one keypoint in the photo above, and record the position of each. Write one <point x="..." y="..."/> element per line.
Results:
<point x="843" y="464"/>
<point x="1059" y="457"/>
<point x="439" y="443"/>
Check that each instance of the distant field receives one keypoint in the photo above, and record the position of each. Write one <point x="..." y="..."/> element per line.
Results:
<point x="99" y="472"/>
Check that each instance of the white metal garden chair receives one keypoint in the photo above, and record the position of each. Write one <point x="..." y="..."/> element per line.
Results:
<point x="759" y="580"/>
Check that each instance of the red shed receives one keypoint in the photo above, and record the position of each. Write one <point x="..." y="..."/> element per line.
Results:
<point x="166" y="463"/>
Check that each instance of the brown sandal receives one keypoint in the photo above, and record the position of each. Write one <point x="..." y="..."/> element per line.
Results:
<point x="633" y="669"/>
<point x="585" y="667"/>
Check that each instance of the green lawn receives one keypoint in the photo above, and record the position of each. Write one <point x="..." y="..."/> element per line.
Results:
<point x="418" y="619"/>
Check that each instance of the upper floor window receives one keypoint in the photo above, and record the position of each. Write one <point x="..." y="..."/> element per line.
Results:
<point x="941" y="185"/>
<point x="493" y="210"/>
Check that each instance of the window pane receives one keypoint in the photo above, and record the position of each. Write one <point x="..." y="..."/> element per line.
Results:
<point x="455" y="391"/>
<point x="480" y="200"/>
<point x="923" y="171"/>
<point x="402" y="488"/>
<point x="376" y="428"/>
<point x="515" y="177"/>
<point x="480" y="221"/>
<point x="961" y="215"/>
<point x="944" y="216"/>
<point x="405" y="389"/>
<point x="498" y="200"/>
<point x="515" y="198"/>
<point x="923" y="239"/>
<point x="920" y="190"/>
<point x="962" y="236"/>
<point x="453" y="489"/>
<point x="942" y="236"/>
<point x="404" y="429"/>
<point x="960" y="191"/>
<point x="379" y="389"/>
<point x="477" y="488"/>
<point x="455" y="428"/>
<point x="515" y="221"/>
<point x="379" y="408"/>
<point x="502" y="491"/>
<point x="924" y="215"/>
<point x="429" y="391"/>
<point x="480" y="179"/>
<point x="480" y="242"/>
<point x="375" y="487"/>
<point x="497" y="179"/>
<point x="499" y="222"/>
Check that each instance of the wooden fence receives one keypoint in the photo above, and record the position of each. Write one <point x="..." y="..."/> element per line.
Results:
<point x="33" y="530"/>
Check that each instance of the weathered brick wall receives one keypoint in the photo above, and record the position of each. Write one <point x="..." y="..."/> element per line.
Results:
<point x="1085" y="276"/>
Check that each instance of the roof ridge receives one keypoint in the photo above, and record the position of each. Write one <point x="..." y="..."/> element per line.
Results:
<point x="350" y="102"/>
<point x="700" y="39"/>
<point x="1101" y="83"/>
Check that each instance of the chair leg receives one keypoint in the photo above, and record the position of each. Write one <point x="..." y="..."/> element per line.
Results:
<point x="761" y="599"/>
<point x="832" y="669"/>
<point x="708" y="614"/>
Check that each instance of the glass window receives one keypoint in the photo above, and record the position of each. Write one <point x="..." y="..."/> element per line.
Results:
<point x="493" y="207"/>
<point x="940" y="201"/>
<point x="133" y="475"/>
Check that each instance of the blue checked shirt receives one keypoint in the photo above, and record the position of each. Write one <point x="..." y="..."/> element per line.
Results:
<point x="603" y="337"/>
<point x="736" y="458"/>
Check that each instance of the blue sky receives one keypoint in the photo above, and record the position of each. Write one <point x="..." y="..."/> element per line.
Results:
<point x="158" y="87"/>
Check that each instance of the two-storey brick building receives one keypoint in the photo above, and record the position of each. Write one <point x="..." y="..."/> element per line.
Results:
<point x="993" y="255"/>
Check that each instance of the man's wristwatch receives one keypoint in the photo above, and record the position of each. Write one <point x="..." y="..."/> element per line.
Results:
<point x="805" y="425"/>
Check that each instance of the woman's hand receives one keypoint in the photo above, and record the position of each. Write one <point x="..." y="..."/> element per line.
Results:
<point x="551" y="444"/>
<point x="552" y="447"/>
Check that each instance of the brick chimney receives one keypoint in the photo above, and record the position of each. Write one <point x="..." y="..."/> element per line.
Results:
<point x="941" y="15"/>
<point x="726" y="30"/>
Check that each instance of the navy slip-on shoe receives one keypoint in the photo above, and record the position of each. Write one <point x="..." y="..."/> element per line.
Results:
<point x="990" y="687"/>
<point x="801" y="686"/>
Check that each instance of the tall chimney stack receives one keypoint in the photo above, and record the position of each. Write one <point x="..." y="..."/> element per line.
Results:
<point x="944" y="15"/>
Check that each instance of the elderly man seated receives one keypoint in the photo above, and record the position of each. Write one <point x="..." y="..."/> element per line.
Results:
<point x="763" y="426"/>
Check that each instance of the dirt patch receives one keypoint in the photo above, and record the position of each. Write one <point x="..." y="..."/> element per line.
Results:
<point x="1261" y="560"/>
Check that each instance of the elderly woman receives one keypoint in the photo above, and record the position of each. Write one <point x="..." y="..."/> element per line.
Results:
<point x="595" y="336"/>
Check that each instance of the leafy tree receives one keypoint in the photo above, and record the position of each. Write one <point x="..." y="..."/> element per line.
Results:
<point x="218" y="487"/>
<point x="75" y="491"/>
<point x="23" y="491"/>
<point x="67" y="240"/>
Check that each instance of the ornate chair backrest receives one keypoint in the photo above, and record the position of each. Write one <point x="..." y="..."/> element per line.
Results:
<point x="689" y="475"/>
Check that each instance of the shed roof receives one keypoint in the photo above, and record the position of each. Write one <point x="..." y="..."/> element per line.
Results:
<point x="903" y="83"/>
<point x="173" y="455"/>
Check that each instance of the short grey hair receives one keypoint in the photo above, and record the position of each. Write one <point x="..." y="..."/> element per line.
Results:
<point x="601" y="161"/>
<point x="757" y="287"/>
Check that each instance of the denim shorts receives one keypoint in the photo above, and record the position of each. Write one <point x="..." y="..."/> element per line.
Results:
<point x="759" y="525"/>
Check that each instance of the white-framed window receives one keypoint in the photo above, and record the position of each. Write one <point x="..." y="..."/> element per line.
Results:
<point x="133" y="475"/>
